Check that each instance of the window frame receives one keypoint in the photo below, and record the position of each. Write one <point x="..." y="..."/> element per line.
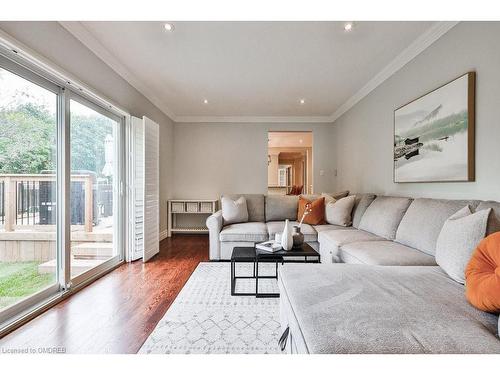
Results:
<point x="31" y="306"/>
<point x="10" y="312"/>
<point x="119" y="218"/>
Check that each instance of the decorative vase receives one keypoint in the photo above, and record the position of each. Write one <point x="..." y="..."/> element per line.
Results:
<point x="298" y="236"/>
<point x="287" y="237"/>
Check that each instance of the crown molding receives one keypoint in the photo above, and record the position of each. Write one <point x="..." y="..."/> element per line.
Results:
<point x="425" y="40"/>
<point x="79" y="31"/>
<point x="255" y="119"/>
<point x="409" y="53"/>
<point x="33" y="60"/>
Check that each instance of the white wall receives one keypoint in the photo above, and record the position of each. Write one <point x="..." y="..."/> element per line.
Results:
<point x="215" y="158"/>
<point x="272" y="168"/>
<point x="55" y="43"/>
<point x="364" y="135"/>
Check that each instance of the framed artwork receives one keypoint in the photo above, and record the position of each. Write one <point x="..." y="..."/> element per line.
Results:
<point x="434" y="134"/>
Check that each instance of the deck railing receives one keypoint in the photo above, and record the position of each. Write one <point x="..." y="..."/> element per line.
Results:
<point x="28" y="199"/>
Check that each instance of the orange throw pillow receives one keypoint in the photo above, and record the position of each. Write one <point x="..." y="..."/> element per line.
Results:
<point x="482" y="275"/>
<point x="316" y="208"/>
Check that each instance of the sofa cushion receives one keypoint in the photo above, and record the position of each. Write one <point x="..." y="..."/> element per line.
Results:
<point x="482" y="275"/>
<point x="315" y="210"/>
<point x="383" y="216"/>
<point x="331" y="242"/>
<point x="337" y="195"/>
<point x="494" y="219"/>
<point x="384" y="253"/>
<point x="281" y="207"/>
<point x="352" y="308"/>
<point x="250" y="232"/>
<point x="423" y="221"/>
<point x="339" y="212"/>
<point x="310" y="197"/>
<point x="360" y="205"/>
<point x="255" y="205"/>
<point x="460" y="235"/>
<point x="327" y="227"/>
<point x="310" y="234"/>
<point x="234" y="211"/>
<point x="343" y="236"/>
<point x="328" y="196"/>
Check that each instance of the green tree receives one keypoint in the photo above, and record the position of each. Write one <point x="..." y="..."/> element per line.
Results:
<point x="27" y="139"/>
<point x="87" y="142"/>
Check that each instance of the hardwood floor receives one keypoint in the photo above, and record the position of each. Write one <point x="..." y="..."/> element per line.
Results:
<point x="116" y="313"/>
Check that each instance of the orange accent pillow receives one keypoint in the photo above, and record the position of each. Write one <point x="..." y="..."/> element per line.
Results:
<point x="316" y="213"/>
<point x="482" y="275"/>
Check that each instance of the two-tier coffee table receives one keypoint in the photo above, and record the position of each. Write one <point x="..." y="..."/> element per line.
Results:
<point x="303" y="254"/>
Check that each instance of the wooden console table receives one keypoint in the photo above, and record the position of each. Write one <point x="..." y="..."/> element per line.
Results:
<point x="199" y="207"/>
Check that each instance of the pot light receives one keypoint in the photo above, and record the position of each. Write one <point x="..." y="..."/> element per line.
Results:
<point x="169" y="27"/>
<point x="348" y="26"/>
<point x="205" y="101"/>
<point x="302" y="101"/>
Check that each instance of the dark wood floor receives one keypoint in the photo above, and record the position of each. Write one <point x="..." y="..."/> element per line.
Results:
<point x="116" y="313"/>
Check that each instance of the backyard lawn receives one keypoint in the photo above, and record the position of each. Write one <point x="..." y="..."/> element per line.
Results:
<point x="19" y="280"/>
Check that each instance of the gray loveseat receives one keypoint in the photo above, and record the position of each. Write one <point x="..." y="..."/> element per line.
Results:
<point x="266" y="217"/>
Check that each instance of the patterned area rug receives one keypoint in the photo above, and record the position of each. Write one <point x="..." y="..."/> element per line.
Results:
<point x="204" y="318"/>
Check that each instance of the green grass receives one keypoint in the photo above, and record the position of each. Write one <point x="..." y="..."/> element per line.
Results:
<point x="19" y="280"/>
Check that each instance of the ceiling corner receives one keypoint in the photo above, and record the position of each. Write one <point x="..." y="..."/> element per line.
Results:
<point x="80" y="32"/>
<point x="419" y="45"/>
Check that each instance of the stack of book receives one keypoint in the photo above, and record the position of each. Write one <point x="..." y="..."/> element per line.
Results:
<point x="270" y="246"/>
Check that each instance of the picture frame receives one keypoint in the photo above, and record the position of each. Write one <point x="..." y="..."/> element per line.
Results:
<point x="434" y="135"/>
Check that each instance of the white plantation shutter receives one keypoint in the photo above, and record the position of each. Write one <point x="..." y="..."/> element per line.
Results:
<point x="145" y="191"/>
<point x="151" y="188"/>
<point x="137" y="209"/>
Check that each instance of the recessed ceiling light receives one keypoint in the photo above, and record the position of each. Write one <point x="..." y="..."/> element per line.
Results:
<point x="205" y="101"/>
<point x="348" y="26"/>
<point x="301" y="141"/>
<point x="169" y="27"/>
<point x="302" y="101"/>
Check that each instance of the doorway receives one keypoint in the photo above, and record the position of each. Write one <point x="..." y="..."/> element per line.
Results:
<point x="289" y="163"/>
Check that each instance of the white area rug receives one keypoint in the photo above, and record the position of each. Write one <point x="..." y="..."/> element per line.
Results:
<point x="204" y="318"/>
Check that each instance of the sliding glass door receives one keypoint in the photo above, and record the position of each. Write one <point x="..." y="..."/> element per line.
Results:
<point x="28" y="189"/>
<point x="61" y="202"/>
<point x="95" y="175"/>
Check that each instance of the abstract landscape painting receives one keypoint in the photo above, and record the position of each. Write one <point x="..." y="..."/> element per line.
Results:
<point x="434" y="135"/>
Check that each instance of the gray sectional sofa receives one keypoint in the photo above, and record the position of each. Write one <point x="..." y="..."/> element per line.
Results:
<point x="357" y="304"/>
<point x="378" y="289"/>
<point x="354" y="308"/>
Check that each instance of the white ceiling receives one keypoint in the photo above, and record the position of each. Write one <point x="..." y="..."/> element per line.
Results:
<point x="250" y="69"/>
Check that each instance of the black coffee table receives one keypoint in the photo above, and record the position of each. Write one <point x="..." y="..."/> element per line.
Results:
<point x="256" y="256"/>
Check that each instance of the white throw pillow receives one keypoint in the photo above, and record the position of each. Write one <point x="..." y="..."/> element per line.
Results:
<point x="338" y="212"/>
<point x="234" y="211"/>
<point x="460" y="235"/>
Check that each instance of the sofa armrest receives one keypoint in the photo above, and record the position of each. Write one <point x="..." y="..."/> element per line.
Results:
<point x="214" y="225"/>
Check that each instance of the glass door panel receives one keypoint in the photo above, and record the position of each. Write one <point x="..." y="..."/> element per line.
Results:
<point x="94" y="179"/>
<point x="28" y="191"/>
